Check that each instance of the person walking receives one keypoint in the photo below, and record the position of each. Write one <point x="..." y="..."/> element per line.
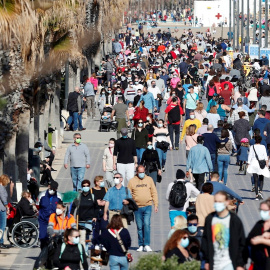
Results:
<point x="115" y="198"/>
<point x="199" y="161"/>
<point x="144" y="193"/>
<point x="258" y="165"/>
<point x="114" y="239"/>
<point x="223" y="238"/>
<point x="108" y="163"/>
<point x="79" y="156"/>
<point x="125" y="156"/>
<point x="191" y="100"/>
<point x="74" y="107"/>
<point x="120" y="111"/>
<point x="89" y="94"/>
<point x="149" y="101"/>
<point x="173" y="115"/>
<point x="150" y="161"/>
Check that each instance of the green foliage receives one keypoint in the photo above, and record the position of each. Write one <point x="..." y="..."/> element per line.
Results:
<point x="3" y="103"/>
<point x="154" y="262"/>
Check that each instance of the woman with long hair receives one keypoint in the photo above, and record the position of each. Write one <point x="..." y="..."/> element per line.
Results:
<point x="176" y="245"/>
<point x="211" y="90"/>
<point x="140" y="113"/>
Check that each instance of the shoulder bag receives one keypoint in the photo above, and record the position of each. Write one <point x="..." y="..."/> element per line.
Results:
<point x="128" y="255"/>
<point x="262" y="163"/>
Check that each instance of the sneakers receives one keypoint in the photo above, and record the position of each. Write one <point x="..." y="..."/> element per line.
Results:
<point x="140" y="249"/>
<point x="176" y="148"/>
<point x="163" y="169"/>
<point x="257" y="198"/>
<point x="147" y="249"/>
<point x="260" y="196"/>
<point x="252" y="189"/>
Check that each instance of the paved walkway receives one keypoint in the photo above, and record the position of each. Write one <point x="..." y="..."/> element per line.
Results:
<point x="160" y="225"/>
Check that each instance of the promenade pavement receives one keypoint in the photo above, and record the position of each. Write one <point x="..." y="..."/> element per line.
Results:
<point x="15" y="258"/>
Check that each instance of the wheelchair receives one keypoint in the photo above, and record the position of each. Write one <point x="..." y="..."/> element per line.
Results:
<point x="25" y="233"/>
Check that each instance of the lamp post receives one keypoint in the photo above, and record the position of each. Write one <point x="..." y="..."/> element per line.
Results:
<point x="242" y="26"/>
<point x="266" y="24"/>
<point x="234" y="35"/>
<point x="254" y="23"/>
<point x="237" y="23"/>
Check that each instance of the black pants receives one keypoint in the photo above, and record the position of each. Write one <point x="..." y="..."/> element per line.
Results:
<point x="199" y="180"/>
<point x="176" y="130"/>
<point x="258" y="181"/>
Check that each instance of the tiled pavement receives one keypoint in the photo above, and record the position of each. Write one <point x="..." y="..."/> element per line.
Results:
<point x="160" y="224"/>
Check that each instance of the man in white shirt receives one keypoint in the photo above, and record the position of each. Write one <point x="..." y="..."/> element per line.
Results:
<point x="190" y="190"/>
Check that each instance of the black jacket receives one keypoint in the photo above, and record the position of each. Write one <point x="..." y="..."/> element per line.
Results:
<point x="73" y="102"/>
<point x="24" y="208"/>
<point x="150" y="160"/>
<point x="236" y="244"/>
<point x="128" y="209"/>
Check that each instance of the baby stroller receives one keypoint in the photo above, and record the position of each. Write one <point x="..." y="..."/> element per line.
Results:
<point x="105" y="120"/>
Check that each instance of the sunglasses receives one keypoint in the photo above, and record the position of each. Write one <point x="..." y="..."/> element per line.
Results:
<point x="192" y="224"/>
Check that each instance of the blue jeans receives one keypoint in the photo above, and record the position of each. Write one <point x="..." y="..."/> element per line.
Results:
<point x="153" y="175"/>
<point x="118" y="262"/>
<point x="162" y="157"/>
<point x="3" y="222"/>
<point x="223" y="163"/>
<point x="80" y="121"/>
<point x="156" y="104"/>
<point x="187" y="113"/>
<point x="213" y="159"/>
<point x="143" y="218"/>
<point x="139" y="153"/>
<point x="77" y="175"/>
<point x="73" y="117"/>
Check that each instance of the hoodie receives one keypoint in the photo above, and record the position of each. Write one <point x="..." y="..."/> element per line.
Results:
<point x="261" y="123"/>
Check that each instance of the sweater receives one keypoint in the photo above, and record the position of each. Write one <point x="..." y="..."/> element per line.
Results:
<point x="261" y="123"/>
<point x="79" y="156"/>
<point x="109" y="241"/>
<point x="140" y="137"/>
<point x="143" y="191"/>
<point x="236" y="242"/>
<point x="241" y="128"/>
<point x="125" y="150"/>
<point x="204" y="206"/>
<point x="188" y="123"/>
<point x="148" y="157"/>
<point x="225" y="148"/>
<point x="210" y="142"/>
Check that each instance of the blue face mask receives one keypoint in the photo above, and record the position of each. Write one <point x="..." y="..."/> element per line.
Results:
<point x="124" y="136"/>
<point x="141" y="175"/>
<point x="192" y="229"/>
<point x="40" y="148"/>
<point x="86" y="189"/>
<point x="160" y="125"/>
<point x="76" y="240"/>
<point x="184" y="242"/>
<point x="150" y="147"/>
<point x="101" y="184"/>
<point x="140" y="124"/>
<point x="219" y="206"/>
<point x="264" y="215"/>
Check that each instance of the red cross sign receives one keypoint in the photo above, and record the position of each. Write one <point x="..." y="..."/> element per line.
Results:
<point x="218" y="16"/>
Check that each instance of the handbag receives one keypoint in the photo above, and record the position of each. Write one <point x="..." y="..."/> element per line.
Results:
<point x="128" y="255"/>
<point x="262" y="163"/>
<point x="163" y="146"/>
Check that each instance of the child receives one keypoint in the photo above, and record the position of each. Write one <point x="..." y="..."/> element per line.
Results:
<point x="243" y="153"/>
<point x="131" y="111"/>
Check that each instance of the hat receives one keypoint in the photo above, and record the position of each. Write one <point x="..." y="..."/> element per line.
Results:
<point x="244" y="140"/>
<point x="191" y="86"/>
<point x="124" y="131"/>
<point x="180" y="174"/>
<point x="53" y="185"/>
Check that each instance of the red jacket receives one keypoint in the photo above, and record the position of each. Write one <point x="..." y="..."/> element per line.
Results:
<point x="140" y="114"/>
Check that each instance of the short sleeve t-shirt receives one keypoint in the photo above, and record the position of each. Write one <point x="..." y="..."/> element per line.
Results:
<point x="221" y="240"/>
<point x="120" y="110"/>
<point x="191" y="100"/>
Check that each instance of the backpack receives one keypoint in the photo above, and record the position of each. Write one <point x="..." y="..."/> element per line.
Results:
<point x="211" y="91"/>
<point x="178" y="194"/>
<point x="63" y="246"/>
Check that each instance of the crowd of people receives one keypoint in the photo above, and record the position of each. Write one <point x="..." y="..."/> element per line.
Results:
<point x="158" y="91"/>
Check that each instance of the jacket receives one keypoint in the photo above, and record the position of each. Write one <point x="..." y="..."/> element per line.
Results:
<point x="149" y="101"/>
<point x="57" y="225"/>
<point x="128" y="209"/>
<point x="89" y="89"/>
<point x="24" y="208"/>
<point x="199" y="160"/>
<point x="236" y="243"/>
<point x="140" y="137"/>
<point x="261" y="123"/>
<point x="74" y="102"/>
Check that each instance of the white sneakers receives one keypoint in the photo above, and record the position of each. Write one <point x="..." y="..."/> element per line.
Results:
<point x="146" y="249"/>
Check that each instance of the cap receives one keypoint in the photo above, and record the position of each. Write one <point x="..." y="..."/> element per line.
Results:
<point x="244" y="140"/>
<point x="191" y="86"/>
<point x="53" y="185"/>
<point x="124" y="131"/>
<point x="180" y="174"/>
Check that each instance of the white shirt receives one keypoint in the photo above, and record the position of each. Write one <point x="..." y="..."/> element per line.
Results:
<point x="154" y="91"/>
<point x="138" y="86"/>
<point x="190" y="190"/>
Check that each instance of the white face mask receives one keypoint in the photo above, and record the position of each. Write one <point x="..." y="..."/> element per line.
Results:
<point x="116" y="181"/>
<point x="51" y="192"/>
<point x="59" y="212"/>
<point x="192" y="116"/>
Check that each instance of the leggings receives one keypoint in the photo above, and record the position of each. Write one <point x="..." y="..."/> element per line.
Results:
<point x="258" y="180"/>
